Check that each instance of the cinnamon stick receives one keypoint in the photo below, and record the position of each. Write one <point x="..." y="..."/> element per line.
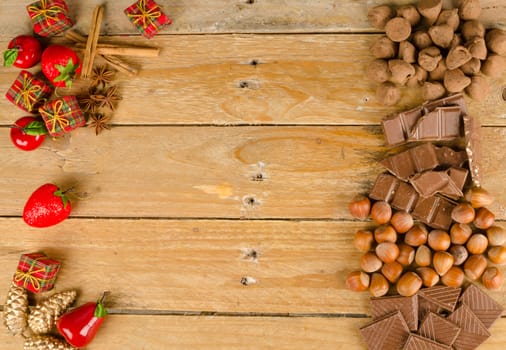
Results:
<point x="119" y="50"/>
<point x="91" y="43"/>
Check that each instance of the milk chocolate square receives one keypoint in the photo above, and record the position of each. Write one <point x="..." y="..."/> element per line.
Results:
<point x="405" y="197"/>
<point x="397" y="128"/>
<point x="384" y="187"/>
<point x="482" y="305"/>
<point x="443" y="296"/>
<point x="472" y="331"/>
<point x="388" y="333"/>
<point x="408" y="306"/>
<point x="439" y="329"/>
<point x="417" y="342"/>
<point x="441" y="124"/>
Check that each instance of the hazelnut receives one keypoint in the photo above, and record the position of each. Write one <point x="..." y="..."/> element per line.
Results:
<point x="459" y="253"/>
<point x="392" y="271"/>
<point x="475" y="266"/>
<point x="430" y="10"/>
<point x="429" y="57"/>
<point x="401" y="71"/>
<point x="442" y="262"/>
<point x="460" y="233"/>
<point x="469" y="9"/>
<point x="454" y="277"/>
<point x="423" y="256"/>
<point x="497" y="255"/>
<point x="496" y="41"/>
<point x="479" y="197"/>
<point x="439" y="240"/>
<point x="357" y="281"/>
<point x="432" y="90"/>
<point x="360" y="207"/>
<point x="383" y="48"/>
<point x="472" y="28"/>
<point x="441" y="35"/>
<point x="398" y="29"/>
<point x="484" y="218"/>
<point x="494" y="65"/>
<point x="477" y="244"/>
<point x="406" y="254"/>
<point x="455" y="80"/>
<point x="363" y="240"/>
<point x="378" y="71"/>
<point x="410" y="13"/>
<point x="370" y="262"/>
<point x="450" y="17"/>
<point x="429" y="276"/>
<point x="421" y="39"/>
<point x="381" y="212"/>
<point x="387" y="252"/>
<point x="378" y="16"/>
<point x="463" y="213"/>
<point x="492" y="278"/>
<point x="385" y="233"/>
<point x="379" y="285"/>
<point x="478" y="89"/>
<point x="457" y="56"/>
<point x="402" y="221"/>
<point x="416" y="236"/>
<point x="388" y="94"/>
<point x="409" y="284"/>
<point x="496" y="235"/>
<point x="407" y="52"/>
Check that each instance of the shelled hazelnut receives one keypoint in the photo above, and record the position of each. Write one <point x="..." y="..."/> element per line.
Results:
<point x="360" y="207"/>
<point x="385" y="233"/>
<point x="484" y="218"/>
<point x="392" y="271"/>
<point x="474" y="266"/>
<point x="460" y="232"/>
<point x="381" y="212"/>
<point x="402" y="221"/>
<point x="387" y="251"/>
<point x="357" y="281"/>
<point x="477" y="244"/>
<point x="379" y="285"/>
<point x="370" y="262"/>
<point x="363" y="240"/>
<point x="463" y="213"/>
<point x="442" y="262"/>
<point x="416" y="236"/>
<point x="478" y="197"/>
<point x="423" y="256"/>
<point x="408" y="284"/>
<point x="406" y="254"/>
<point x="497" y="255"/>
<point x="492" y="278"/>
<point x="428" y="275"/>
<point x="454" y="277"/>
<point x="496" y="235"/>
<point x="439" y="240"/>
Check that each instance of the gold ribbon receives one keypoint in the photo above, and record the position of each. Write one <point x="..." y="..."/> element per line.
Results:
<point x="26" y="92"/>
<point x="145" y="15"/>
<point x="29" y="277"/>
<point x="46" y="12"/>
<point x="57" y="117"/>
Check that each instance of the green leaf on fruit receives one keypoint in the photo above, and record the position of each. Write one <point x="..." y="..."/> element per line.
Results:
<point x="67" y="72"/>
<point x="100" y="310"/>
<point x="64" y="199"/>
<point x="10" y="57"/>
<point x="35" y="128"/>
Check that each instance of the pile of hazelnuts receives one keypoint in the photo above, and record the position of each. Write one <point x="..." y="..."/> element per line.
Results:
<point x="440" y="50"/>
<point x="408" y="255"/>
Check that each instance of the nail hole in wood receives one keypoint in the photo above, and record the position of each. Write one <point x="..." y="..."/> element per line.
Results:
<point x="250" y="1"/>
<point x="258" y="177"/>
<point x="243" y="84"/>
<point x="253" y="62"/>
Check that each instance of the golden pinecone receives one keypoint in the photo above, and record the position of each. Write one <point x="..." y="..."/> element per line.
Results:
<point x="16" y="309"/>
<point x="44" y="315"/>
<point x="46" y="342"/>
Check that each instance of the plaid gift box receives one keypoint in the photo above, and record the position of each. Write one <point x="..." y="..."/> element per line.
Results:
<point x="27" y="92"/>
<point x="49" y="17"/>
<point x="62" y="115"/>
<point x="147" y="17"/>
<point x="36" y="272"/>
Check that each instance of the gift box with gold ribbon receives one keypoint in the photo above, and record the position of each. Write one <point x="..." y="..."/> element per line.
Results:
<point x="49" y="17"/>
<point x="27" y="92"/>
<point x="62" y="115"/>
<point x="36" y="272"/>
<point x="148" y="17"/>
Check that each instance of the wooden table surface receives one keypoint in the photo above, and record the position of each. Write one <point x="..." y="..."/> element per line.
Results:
<point x="215" y="210"/>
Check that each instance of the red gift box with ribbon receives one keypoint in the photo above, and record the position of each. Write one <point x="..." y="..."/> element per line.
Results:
<point x="49" y="17"/>
<point x="62" y="115"/>
<point x="27" y="92"/>
<point x="148" y="17"/>
<point x="36" y="272"/>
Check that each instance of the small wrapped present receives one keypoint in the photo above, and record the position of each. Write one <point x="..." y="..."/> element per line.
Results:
<point x="36" y="272"/>
<point x="49" y="17"/>
<point x="27" y="92"/>
<point x="147" y="16"/>
<point x="62" y="115"/>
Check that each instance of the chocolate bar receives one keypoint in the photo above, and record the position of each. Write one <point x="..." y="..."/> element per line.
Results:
<point x="482" y="305"/>
<point x="439" y="329"/>
<point x="390" y="332"/>
<point x="417" y="342"/>
<point x="454" y="100"/>
<point x="429" y="183"/>
<point x="441" y="124"/>
<point x="408" y="306"/>
<point x="472" y="332"/>
<point x="414" y="160"/>
<point x="384" y="188"/>
<point x="405" y="197"/>
<point x="442" y="296"/>
<point x="397" y="128"/>
<point x="473" y="147"/>
<point x="448" y="157"/>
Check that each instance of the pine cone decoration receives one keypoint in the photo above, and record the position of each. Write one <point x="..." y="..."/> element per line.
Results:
<point x="43" y="316"/>
<point x="46" y="342"/>
<point x="16" y="309"/>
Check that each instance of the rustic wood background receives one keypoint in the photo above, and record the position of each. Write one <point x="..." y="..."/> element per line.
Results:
<point x="232" y="159"/>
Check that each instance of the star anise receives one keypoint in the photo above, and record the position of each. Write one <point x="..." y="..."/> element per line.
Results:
<point x="108" y="98"/>
<point x="99" y="122"/>
<point x="101" y="76"/>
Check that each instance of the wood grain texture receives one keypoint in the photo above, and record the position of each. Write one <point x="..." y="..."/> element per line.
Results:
<point x="299" y="79"/>
<point x="237" y="16"/>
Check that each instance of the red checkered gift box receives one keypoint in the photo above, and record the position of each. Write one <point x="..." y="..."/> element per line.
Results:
<point x="62" y="115"/>
<point x="148" y="17"/>
<point x="49" y="17"/>
<point x="36" y="272"/>
<point x="27" y="92"/>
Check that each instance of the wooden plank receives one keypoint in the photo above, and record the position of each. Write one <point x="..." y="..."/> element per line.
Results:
<point x="238" y="16"/>
<point x="223" y="172"/>
<point x="299" y="79"/>
<point x="198" y="265"/>
<point x="220" y="333"/>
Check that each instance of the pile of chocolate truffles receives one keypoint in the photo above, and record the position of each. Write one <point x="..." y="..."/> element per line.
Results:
<point x="433" y="225"/>
<point x="441" y="50"/>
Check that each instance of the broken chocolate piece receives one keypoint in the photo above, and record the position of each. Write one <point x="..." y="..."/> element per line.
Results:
<point x="443" y="296"/>
<point x="425" y="306"/>
<point x="448" y="157"/>
<point x="405" y="197"/>
<point x="482" y="305"/>
<point x="408" y="306"/>
<point x="472" y="332"/>
<point x="458" y="177"/>
<point x="428" y="183"/>
<point x="412" y="161"/>
<point x="417" y="342"/>
<point x="454" y="100"/>
<point x="473" y="147"/>
<point x="439" y="329"/>
<point x="384" y="187"/>
<point x="397" y="128"/>
<point x="442" y="124"/>
<point x="434" y="211"/>
<point x="390" y="332"/>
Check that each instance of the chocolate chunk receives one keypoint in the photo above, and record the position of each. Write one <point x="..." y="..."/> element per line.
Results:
<point x="448" y="157"/>
<point x="428" y="183"/>
<point x="442" y="124"/>
<point x="434" y="211"/>
<point x="458" y="177"/>
<point x="424" y="156"/>
<point x="416" y="342"/>
<point x="414" y="160"/>
<point x="388" y="333"/>
<point x="425" y="306"/>
<point x="405" y="197"/>
<point x="472" y="332"/>
<point x="442" y="296"/>
<point x="443" y="215"/>
<point x="472" y="133"/>
<point x="397" y="128"/>
<point x="408" y="306"/>
<point x="439" y="329"/>
<point x="384" y="187"/>
<point x="454" y="100"/>
<point x="483" y="306"/>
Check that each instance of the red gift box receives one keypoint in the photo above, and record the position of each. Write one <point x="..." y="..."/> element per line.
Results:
<point x="49" y="17"/>
<point x="62" y="115"/>
<point x="148" y="17"/>
<point x="27" y="92"/>
<point x="36" y="272"/>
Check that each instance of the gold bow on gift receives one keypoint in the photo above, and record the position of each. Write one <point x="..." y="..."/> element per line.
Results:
<point x="56" y="117"/>
<point x="47" y="12"/>
<point x="29" y="277"/>
<point x="145" y="15"/>
<point x="26" y="93"/>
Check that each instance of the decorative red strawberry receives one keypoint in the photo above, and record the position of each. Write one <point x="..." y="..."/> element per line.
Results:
<point x="23" y="52"/>
<point x="28" y="133"/>
<point x="60" y="65"/>
<point x="47" y="206"/>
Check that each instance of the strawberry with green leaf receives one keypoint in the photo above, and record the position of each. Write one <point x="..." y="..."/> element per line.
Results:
<point x="60" y="65"/>
<point x="47" y="206"/>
